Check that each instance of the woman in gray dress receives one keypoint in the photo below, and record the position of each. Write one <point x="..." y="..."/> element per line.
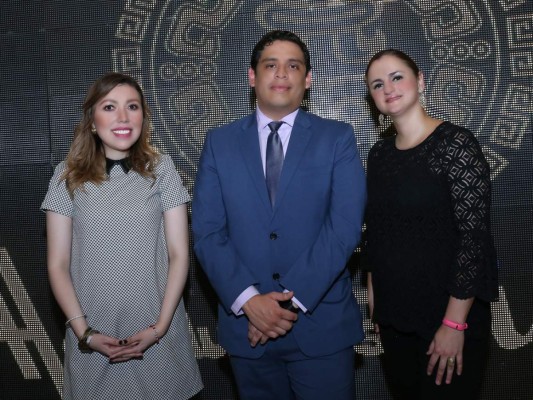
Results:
<point x="118" y="254"/>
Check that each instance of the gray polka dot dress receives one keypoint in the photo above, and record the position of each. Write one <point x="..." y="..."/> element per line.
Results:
<point x="119" y="265"/>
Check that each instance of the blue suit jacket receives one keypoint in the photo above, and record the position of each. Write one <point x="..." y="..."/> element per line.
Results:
<point x="307" y="238"/>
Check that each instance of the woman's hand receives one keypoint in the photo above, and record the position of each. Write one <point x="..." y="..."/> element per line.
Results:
<point x="104" y="344"/>
<point x="370" y="292"/>
<point x="134" y="346"/>
<point x="446" y="349"/>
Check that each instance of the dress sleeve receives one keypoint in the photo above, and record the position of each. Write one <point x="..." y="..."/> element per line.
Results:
<point x="57" y="198"/>
<point x="365" y="245"/>
<point x="173" y="193"/>
<point x="474" y="273"/>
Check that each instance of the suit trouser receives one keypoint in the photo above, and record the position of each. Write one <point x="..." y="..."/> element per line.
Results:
<point x="405" y="363"/>
<point x="285" y="373"/>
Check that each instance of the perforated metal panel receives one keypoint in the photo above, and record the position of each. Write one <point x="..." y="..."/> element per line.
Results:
<point x="191" y="58"/>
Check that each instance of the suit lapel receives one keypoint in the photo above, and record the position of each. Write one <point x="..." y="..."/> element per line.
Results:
<point x="300" y="136"/>
<point x="249" y="144"/>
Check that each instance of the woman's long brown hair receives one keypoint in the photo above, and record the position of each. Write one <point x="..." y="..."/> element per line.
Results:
<point x="86" y="158"/>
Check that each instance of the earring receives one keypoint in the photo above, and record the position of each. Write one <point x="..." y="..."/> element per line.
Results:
<point x="422" y="98"/>
<point x="93" y="130"/>
<point x="383" y="120"/>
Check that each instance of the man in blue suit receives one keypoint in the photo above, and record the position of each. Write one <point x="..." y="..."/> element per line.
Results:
<point x="277" y="213"/>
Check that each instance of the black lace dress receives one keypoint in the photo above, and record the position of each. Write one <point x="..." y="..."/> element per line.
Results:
<point x="428" y="231"/>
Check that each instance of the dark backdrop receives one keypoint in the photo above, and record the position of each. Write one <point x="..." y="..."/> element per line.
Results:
<point x="191" y="58"/>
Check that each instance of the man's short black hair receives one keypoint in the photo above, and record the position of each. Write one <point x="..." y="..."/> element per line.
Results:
<point x="271" y="37"/>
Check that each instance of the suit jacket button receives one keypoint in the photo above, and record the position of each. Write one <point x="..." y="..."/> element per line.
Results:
<point x="273" y="236"/>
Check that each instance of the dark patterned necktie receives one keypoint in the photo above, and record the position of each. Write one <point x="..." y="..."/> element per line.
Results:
<point x="274" y="160"/>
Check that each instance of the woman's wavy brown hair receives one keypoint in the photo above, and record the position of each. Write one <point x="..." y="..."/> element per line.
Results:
<point x="86" y="158"/>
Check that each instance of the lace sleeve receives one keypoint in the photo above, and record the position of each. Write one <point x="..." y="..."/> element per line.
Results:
<point x="474" y="271"/>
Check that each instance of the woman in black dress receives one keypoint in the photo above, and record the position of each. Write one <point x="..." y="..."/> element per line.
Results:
<point x="431" y="256"/>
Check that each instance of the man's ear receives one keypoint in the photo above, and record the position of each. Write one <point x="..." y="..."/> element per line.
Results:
<point x="251" y="77"/>
<point x="308" y="80"/>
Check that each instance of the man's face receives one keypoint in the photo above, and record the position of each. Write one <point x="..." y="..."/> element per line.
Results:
<point x="280" y="79"/>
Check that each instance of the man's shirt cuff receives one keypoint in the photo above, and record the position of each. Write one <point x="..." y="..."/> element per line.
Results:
<point x="246" y="295"/>
<point x="297" y="302"/>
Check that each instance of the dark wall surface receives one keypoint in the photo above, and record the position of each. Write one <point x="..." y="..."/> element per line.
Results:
<point x="191" y="58"/>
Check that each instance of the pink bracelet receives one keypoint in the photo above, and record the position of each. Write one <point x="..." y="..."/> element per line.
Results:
<point x="454" y="325"/>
